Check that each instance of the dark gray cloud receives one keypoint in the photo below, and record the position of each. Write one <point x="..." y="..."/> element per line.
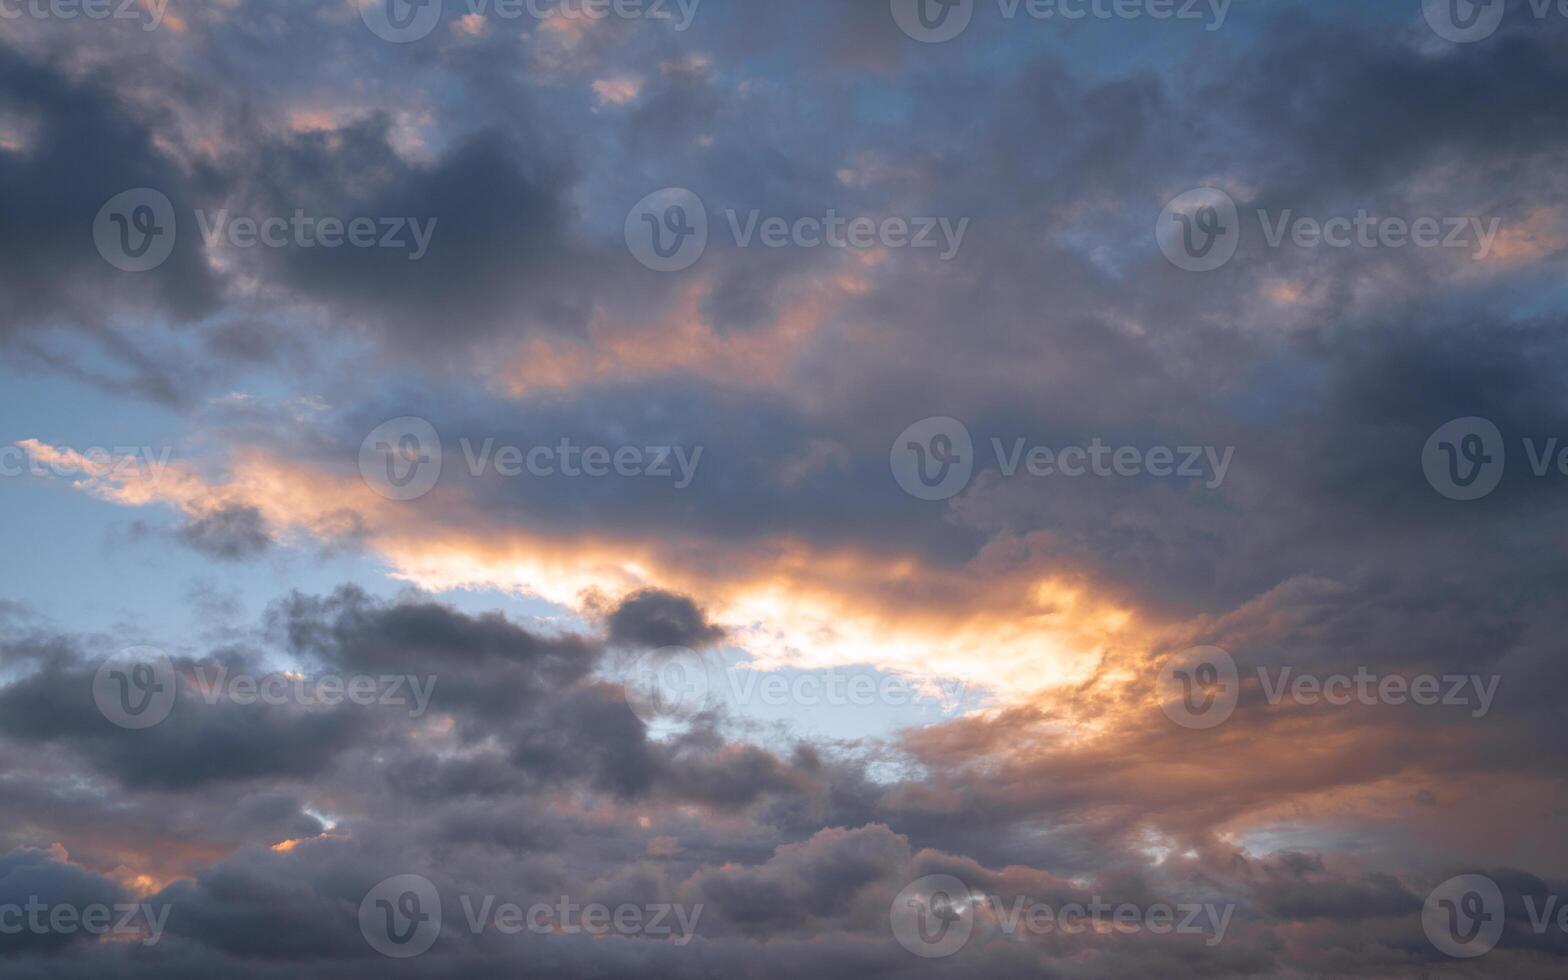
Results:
<point x="230" y="534"/>
<point x="651" y="618"/>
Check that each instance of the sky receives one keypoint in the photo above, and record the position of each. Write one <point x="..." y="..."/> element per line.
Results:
<point x="695" y="488"/>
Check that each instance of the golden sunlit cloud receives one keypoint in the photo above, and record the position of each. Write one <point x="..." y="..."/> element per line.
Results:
<point x="1007" y="621"/>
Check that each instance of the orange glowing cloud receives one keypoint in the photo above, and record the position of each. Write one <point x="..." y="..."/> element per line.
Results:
<point x="1007" y="621"/>
<point x="1542" y="234"/>
<point x="685" y="340"/>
